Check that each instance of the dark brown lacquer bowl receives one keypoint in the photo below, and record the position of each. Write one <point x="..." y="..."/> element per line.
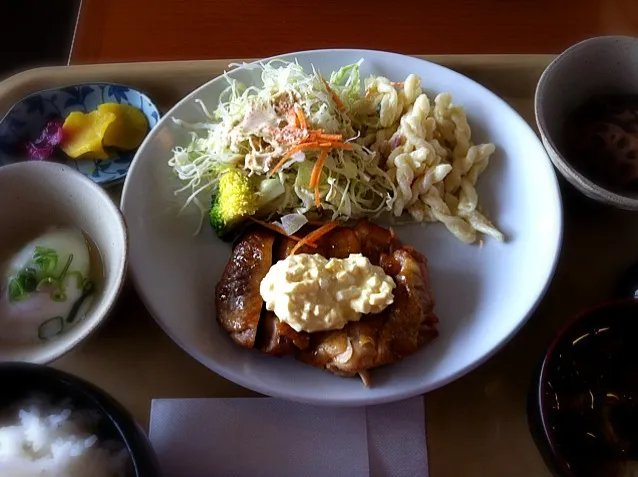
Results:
<point x="583" y="405"/>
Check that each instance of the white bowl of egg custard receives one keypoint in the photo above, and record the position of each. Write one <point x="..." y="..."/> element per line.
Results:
<point x="63" y="258"/>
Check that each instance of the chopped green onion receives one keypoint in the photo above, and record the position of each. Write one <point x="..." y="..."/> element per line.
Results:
<point x="16" y="292"/>
<point x="28" y="279"/>
<point x="79" y="279"/>
<point x="58" y="295"/>
<point x="51" y="328"/>
<point x="22" y="284"/>
<point x="89" y="288"/>
<point x="66" y="267"/>
<point x="46" y="259"/>
<point x="44" y="282"/>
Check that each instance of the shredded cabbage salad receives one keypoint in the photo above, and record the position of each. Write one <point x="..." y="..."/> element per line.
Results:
<point x="258" y="130"/>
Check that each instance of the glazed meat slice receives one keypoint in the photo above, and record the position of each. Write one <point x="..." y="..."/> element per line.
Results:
<point x="285" y="245"/>
<point x="237" y="296"/>
<point x="379" y="339"/>
<point x="274" y="336"/>
<point x="366" y="238"/>
<point x="411" y="320"/>
<point x="341" y="242"/>
<point x="277" y="338"/>
<point x="375" y="240"/>
<point x="400" y="330"/>
<point x="348" y="351"/>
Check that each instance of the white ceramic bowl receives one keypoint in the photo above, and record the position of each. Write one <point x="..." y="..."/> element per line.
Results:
<point x="38" y="195"/>
<point x="484" y="294"/>
<point x="607" y="64"/>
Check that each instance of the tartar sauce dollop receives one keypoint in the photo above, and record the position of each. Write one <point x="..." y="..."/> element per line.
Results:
<point x="312" y="293"/>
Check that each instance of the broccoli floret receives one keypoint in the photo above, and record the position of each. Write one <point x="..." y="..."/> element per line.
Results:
<point x="235" y="200"/>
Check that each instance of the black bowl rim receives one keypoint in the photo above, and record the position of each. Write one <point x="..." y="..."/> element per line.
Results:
<point x="556" y="455"/>
<point x="134" y="438"/>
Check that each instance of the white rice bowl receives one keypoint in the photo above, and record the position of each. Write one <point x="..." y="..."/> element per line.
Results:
<point x="40" y="439"/>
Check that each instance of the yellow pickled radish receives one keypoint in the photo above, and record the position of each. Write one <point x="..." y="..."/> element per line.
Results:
<point x="129" y="128"/>
<point x="84" y="133"/>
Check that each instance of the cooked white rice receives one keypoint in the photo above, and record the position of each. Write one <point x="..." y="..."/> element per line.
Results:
<point x="48" y="441"/>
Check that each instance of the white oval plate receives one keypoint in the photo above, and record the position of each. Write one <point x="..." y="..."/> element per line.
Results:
<point x="484" y="295"/>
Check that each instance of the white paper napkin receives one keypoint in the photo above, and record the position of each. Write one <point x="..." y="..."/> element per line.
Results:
<point x="263" y="437"/>
<point x="396" y="439"/>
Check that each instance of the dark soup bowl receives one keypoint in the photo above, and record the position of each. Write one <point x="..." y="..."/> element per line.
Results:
<point x="57" y="404"/>
<point x="583" y="404"/>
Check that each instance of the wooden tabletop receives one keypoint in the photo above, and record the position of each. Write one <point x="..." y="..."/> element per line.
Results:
<point x="144" y="30"/>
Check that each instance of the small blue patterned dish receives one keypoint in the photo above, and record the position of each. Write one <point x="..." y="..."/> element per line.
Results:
<point x="26" y="119"/>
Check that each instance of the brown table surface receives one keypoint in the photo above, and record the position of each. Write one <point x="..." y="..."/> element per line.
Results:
<point x="144" y="30"/>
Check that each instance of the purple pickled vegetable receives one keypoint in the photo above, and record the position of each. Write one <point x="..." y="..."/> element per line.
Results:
<point x="45" y="146"/>
<point x="39" y="152"/>
<point x="52" y="133"/>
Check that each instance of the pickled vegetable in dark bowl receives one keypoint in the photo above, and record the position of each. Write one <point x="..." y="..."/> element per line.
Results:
<point x="588" y="394"/>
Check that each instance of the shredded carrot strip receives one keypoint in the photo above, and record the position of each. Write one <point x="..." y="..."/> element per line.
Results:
<point x="369" y="94"/>
<point x="313" y="236"/>
<point x="340" y="145"/>
<point x="301" y="118"/>
<point x="331" y="137"/>
<point x="276" y="228"/>
<point x="294" y="149"/>
<point x="398" y="84"/>
<point x="316" y="171"/>
<point x="273" y="227"/>
<point x="336" y="144"/>
<point x="315" y="179"/>
<point x="335" y="98"/>
<point x="309" y="145"/>
<point x="314" y="137"/>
